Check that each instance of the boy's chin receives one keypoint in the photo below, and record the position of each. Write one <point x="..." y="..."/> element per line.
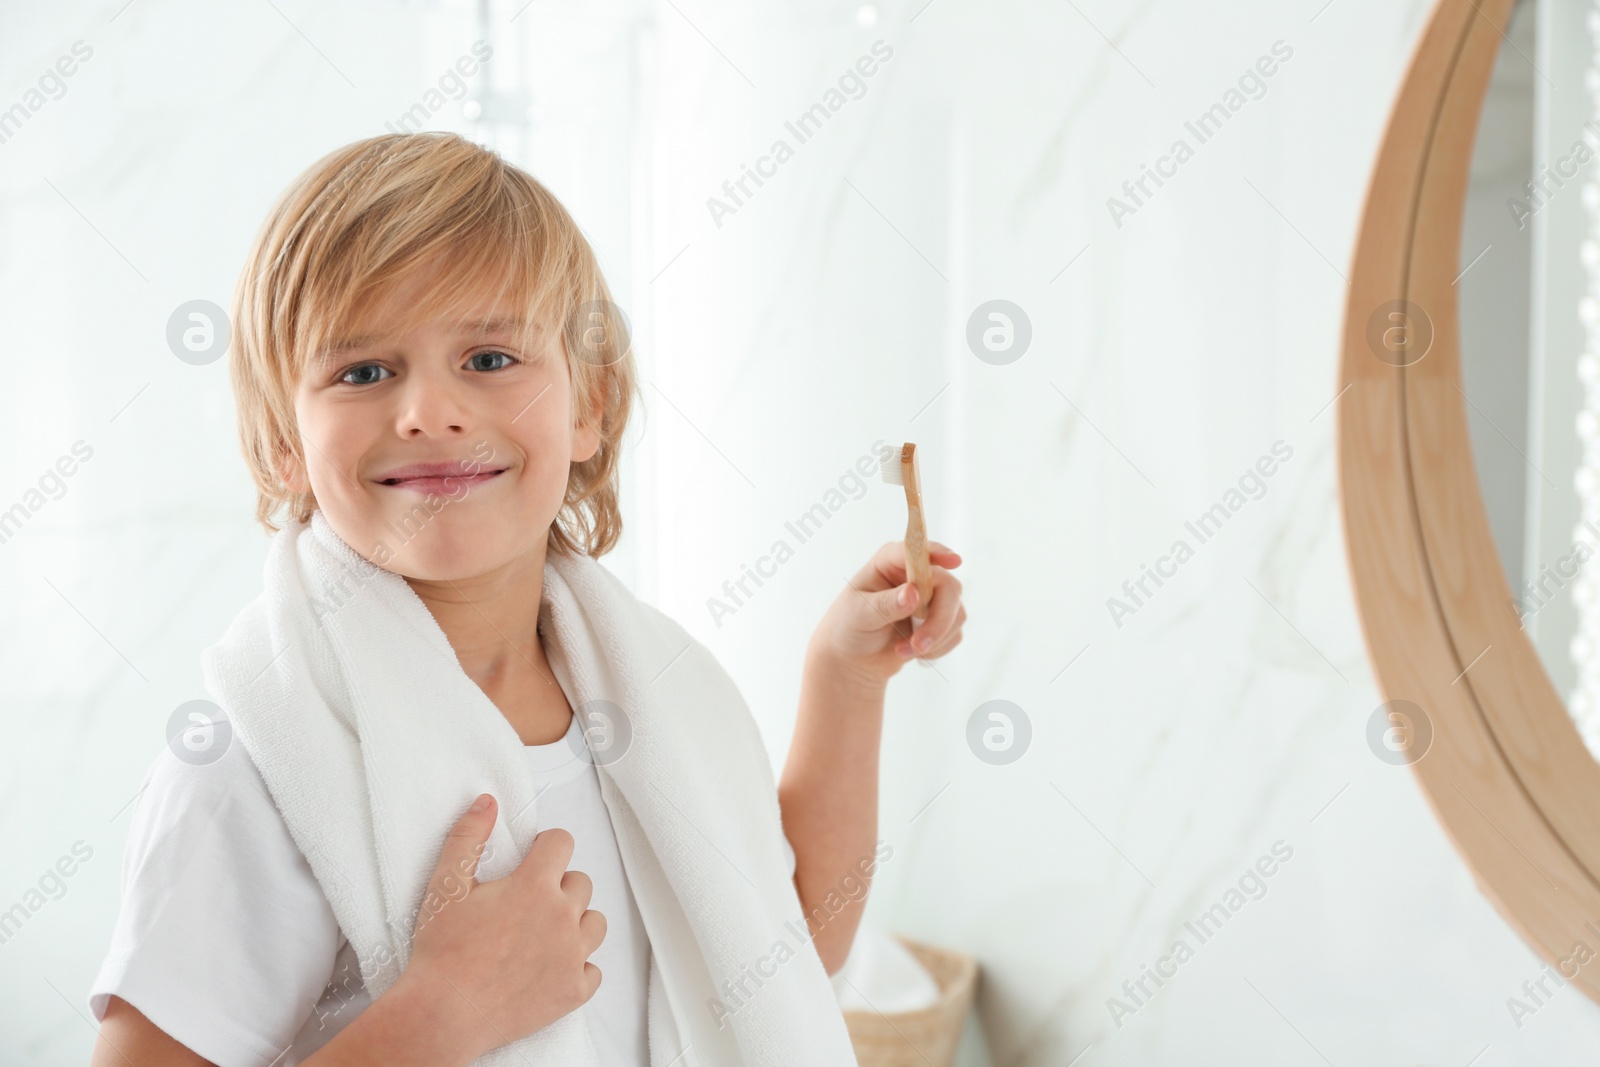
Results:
<point x="440" y="555"/>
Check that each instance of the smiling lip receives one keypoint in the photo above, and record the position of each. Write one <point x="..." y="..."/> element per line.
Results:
<point x="436" y="477"/>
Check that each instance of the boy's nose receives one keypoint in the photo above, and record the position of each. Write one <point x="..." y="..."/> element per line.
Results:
<point x="432" y="409"/>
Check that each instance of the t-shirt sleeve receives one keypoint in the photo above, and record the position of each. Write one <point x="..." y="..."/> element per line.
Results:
<point x="788" y="850"/>
<point x="223" y="939"/>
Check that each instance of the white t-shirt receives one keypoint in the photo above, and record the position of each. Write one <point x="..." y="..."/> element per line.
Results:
<point x="225" y="941"/>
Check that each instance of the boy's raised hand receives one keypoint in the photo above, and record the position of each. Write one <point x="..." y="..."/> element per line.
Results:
<point x="503" y="958"/>
<point x="865" y="630"/>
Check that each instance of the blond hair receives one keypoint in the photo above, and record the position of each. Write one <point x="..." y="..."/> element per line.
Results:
<point x="368" y="215"/>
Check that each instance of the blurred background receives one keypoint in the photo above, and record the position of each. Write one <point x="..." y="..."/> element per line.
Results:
<point x="969" y="252"/>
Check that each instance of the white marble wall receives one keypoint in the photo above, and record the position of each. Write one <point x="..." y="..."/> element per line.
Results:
<point x="1168" y="354"/>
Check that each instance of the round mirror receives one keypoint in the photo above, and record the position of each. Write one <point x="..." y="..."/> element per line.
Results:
<point x="1522" y="344"/>
<point x="1462" y="475"/>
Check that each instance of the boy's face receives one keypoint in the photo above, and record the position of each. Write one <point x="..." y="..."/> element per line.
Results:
<point x="494" y="415"/>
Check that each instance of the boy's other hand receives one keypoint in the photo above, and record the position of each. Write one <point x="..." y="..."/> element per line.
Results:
<point x="499" y="960"/>
<point x="867" y="630"/>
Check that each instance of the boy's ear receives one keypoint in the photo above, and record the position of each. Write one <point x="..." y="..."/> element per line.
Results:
<point x="292" y="473"/>
<point x="586" y="436"/>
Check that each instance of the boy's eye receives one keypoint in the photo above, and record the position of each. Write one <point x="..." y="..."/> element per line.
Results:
<point x="490" y="355"/>
<point x="363" y="377"/>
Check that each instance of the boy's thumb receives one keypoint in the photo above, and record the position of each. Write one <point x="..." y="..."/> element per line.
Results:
<point x="889" y="605"/>
<point x="463" y="846"/>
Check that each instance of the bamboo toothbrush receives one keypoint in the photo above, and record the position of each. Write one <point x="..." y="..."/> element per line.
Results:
<point x="899" y="467"/>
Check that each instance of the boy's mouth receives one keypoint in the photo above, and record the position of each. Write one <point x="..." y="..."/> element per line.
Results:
<point x="441" y="478"/>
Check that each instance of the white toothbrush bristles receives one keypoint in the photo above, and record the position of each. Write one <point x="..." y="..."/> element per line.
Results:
<point x="889" y="466"/>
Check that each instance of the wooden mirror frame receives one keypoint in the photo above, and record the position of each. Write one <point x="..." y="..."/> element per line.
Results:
<point x="1506" y="771"/>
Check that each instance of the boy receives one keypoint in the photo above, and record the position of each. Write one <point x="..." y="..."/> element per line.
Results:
<point x="430" y="375"/>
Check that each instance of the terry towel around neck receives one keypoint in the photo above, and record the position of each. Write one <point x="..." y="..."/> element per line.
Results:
<point x="373" y="741"/>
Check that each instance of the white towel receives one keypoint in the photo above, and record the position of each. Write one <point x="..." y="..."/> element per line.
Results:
<point x="373" y="741"/>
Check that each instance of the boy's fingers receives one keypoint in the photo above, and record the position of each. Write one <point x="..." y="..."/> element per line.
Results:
<point x="951" y="638"/>
<point x="949" y="643"/>
<point x="886" y="572"/>
<point x="942" y="617"/>
<point x="889" y="605"/>
<point x="463" y="847"/>
<point x="551" y="852"/>
<point x="887" y="567"/>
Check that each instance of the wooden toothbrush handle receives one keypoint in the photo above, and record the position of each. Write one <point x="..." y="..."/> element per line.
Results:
<point x="918" y="569"/>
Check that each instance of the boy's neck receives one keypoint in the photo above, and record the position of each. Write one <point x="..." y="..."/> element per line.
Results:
<point x="492" y="621"/>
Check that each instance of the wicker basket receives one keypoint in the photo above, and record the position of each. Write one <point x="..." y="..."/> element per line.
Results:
<point x="928" y="1036"/>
